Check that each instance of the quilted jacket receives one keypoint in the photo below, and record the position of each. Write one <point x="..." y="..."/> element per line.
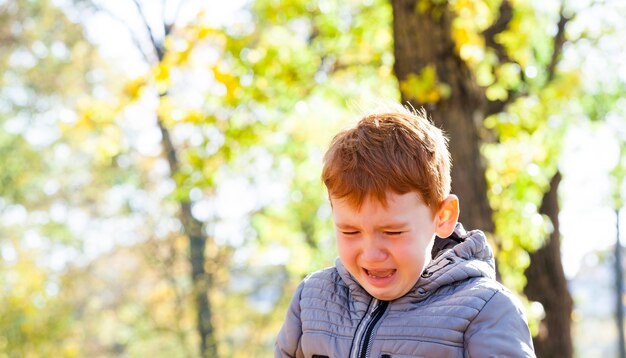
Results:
<point x="456" y="309"/>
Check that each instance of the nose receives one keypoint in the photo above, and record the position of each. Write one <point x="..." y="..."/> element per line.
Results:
<point x="373" y="250"/>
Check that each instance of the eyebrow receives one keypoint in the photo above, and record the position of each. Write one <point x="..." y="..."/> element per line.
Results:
<point x="389" y="226"/>
<point x="346" y="227"/>
<point x="393" y="226"/>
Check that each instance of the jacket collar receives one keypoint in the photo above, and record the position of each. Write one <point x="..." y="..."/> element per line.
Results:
<point x="461" y="256"/>
<point x="471" y="258"/>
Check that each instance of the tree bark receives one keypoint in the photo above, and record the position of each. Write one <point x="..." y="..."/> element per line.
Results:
<point x="425" y="38"/>
<point x="547" y="285"/>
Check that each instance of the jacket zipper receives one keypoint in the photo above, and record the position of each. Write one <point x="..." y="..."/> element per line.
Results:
<point x="365" y="330"/>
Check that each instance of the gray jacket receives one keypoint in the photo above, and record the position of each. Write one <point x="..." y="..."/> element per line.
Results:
<point x="456" y="309"/>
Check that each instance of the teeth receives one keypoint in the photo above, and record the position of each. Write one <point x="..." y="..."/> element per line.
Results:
<point x="380" y="273"/>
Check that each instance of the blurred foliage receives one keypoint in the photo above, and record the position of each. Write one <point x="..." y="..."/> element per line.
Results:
<point x="43" y="57"/>
<point x="94" y="261"/>
<point x="425" y="87"/>
<point x="225" y="126"/>
<point x="522" y="143"/>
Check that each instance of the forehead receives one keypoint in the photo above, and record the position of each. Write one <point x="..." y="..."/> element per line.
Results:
<point x="393" y="205"/>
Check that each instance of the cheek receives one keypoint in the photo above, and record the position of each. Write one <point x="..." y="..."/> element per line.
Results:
<point x="344" y="247"/>
<point x="348" y="250"/>
<point x="406" y="254"/>
<point x="411" y="252"/>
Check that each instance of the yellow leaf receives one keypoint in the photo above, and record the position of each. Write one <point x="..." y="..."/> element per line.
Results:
<point x="425" y="86"/>
<point x="161" y="74"/>
<point x="496" y="93"/>
<point x="133" y="88"/>
<point x="165" y="109"/>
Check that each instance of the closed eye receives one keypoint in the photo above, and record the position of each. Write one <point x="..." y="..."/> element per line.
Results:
<point x="349" y="232"/>
<point x="393" y="233"/>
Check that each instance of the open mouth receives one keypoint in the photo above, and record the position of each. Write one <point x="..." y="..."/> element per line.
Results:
<point x="380" y="273"/>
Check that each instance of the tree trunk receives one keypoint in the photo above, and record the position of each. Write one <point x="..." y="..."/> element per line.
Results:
<point x="201" y="278"/>
<point x="547" y="285"/>
<point x="422" y="39"/>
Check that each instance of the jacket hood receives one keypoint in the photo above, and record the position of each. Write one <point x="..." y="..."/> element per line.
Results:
<point x="470" y="257"/>
<point x="461" y="256"/>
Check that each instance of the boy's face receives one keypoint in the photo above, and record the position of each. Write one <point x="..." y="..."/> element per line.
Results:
<point x="385" y="248"/>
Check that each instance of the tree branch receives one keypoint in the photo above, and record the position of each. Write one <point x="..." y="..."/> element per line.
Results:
<point x="131" y="32"/>
<point x="167" y="26"/>
<point x="155" y="45"/>
<point x="506" y="13"/>
<point x="559" y="40"/>
<point x="501" y="24"/>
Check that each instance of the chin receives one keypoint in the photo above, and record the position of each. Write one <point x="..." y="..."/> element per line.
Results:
<point x="385" y="296"/>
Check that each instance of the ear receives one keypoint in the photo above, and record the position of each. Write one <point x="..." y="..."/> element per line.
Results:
<point x="447" y="216"/>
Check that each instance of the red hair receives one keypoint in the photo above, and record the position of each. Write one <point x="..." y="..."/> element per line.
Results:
<point x="401" y="151"/>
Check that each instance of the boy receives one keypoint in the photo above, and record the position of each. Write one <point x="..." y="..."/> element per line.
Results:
<point x="397" y="290"/>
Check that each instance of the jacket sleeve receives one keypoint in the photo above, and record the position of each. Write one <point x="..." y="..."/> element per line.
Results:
<point x="499" y="330"/>
<point x="288" y="340"/>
